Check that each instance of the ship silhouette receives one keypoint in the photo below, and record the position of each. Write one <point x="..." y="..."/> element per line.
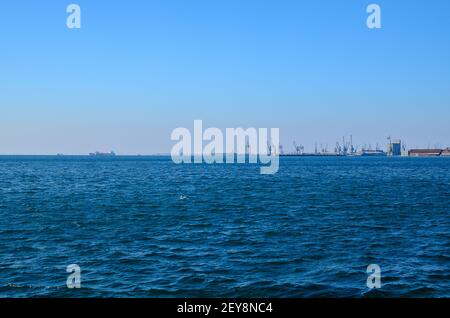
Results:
<point x="102" y="154"/>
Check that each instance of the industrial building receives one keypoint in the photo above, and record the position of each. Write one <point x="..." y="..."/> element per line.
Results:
<point x="394" y="148"/>
<point x="397" y="148"/>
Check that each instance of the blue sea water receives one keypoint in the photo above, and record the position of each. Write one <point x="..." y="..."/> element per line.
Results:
<point x="145" y="227"/>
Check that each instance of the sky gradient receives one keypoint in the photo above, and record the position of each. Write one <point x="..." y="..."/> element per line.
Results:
<point x="138" y="69"/>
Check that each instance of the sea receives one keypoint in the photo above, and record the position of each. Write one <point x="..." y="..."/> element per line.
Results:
<point x="146" y="227"/>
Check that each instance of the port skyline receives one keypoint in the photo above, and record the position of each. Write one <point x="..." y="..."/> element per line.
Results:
<point x="344" y="149"/>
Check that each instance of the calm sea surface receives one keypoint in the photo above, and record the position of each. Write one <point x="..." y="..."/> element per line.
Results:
<point x="145" y="227"/>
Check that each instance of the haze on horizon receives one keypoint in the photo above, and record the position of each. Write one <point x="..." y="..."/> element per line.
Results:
<point x="135" y="71"/>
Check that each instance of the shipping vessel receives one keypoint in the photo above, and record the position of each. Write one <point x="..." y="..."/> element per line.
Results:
<point x="102" y="154"/>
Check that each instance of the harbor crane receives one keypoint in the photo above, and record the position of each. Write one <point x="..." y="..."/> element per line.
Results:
<point x="298" y="148"/>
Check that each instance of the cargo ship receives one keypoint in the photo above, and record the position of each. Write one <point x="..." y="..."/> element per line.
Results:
<point x="102" y="154"/>
<point x="372" y="153"/>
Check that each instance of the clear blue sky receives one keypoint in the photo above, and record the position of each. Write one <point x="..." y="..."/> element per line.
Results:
<point x="138" y="69"/>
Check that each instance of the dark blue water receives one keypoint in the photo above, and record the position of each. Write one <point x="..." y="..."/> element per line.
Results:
<point x="145" y="227"/>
